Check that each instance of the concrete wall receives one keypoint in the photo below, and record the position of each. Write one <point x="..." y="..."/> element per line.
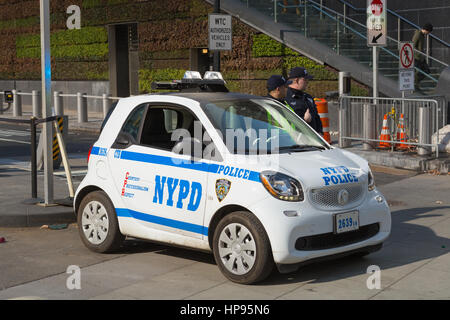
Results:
<point x="96" y="88"/>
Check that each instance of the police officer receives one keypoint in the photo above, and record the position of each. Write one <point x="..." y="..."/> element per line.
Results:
<point x="276" y="88"/>
<point x="302" y="103"/>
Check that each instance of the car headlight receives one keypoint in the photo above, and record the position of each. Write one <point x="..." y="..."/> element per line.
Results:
<point x="371" y="181"/>
<point x="282" y="186"/>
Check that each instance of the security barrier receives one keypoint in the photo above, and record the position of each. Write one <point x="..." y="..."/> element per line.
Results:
<point x="361" y="119"/>
<point x="33" y="122"/>
<point x="322" y="108"/>
<point x="81" y="101"/>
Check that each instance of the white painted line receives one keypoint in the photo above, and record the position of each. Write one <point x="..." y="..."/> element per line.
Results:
<point x="11" y="140"/>
<point x="74" y="173"/>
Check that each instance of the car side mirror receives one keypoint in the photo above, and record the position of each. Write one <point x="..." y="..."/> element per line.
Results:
<point x="123" y="140"/>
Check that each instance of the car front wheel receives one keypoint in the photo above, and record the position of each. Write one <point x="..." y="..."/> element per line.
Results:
<point x="242" y="249"/>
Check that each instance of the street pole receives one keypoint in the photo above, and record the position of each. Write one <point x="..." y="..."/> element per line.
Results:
<point x="375" y="72"/>
<point x="216" y="54"/>
<point x="46" y="100"/>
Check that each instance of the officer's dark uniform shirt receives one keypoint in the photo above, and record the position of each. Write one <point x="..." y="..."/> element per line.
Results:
<point x="279" y="100"/>
<point x="300" y="102"/>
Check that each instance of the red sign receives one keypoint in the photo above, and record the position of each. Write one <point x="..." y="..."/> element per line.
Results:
<point x="377" y="7"/>
<point x="406" y="56"/>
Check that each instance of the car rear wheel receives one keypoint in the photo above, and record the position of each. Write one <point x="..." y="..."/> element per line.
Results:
<point x="97" y="223"/>
<point x="242" y="249"/>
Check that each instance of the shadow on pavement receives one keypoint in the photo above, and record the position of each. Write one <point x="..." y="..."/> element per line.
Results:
<point x="407" y="244"/>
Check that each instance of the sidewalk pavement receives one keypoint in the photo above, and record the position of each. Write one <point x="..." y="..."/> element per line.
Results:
<point x="14" y="212"/>
<point x="414" y="262"/>
<point x="17" y="176"/>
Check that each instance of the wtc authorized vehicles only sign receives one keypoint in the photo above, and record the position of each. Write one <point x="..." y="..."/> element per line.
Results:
<point x="220" y="32"/>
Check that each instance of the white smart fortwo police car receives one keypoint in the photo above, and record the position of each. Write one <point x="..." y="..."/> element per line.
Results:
<point x="238" y="175"/>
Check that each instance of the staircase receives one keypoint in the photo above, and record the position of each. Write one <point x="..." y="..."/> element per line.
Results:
<point x="329" y="37"/>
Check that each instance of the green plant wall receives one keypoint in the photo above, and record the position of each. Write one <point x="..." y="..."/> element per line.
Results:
<point x="166" y="29"/>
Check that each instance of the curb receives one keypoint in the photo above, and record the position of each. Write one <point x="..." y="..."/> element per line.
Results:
<point x="36" y="219"/>
<point x="404" y="161"/>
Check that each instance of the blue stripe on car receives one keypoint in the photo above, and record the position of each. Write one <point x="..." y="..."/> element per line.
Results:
<point x="162" y="221"/>
<point x="170" y="161"/>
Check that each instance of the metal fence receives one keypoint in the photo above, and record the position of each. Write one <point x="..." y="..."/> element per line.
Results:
<point x="36" y="100"/>
<point x="361" y="119"/>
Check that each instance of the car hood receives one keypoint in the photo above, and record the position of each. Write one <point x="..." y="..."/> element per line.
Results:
<point x="322" y="168"/>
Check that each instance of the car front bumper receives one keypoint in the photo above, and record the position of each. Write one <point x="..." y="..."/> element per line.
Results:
<point x="309" y="235"/>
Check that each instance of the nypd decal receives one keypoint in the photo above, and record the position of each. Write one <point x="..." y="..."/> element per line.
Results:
<point x="183" y="188"/>
<point x="337" y="175"/>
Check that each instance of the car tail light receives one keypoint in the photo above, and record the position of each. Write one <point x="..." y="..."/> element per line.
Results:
<point x="89" y="153"/>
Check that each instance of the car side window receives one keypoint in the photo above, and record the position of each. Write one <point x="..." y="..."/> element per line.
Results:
<point x="160" y="123"/>
<point x="133" y="123"/>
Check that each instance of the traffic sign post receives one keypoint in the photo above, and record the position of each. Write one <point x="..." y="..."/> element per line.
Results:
<point x="46" y="100"/>
<point x="376" y="23"/>
<point x="376" y="34"/>
<point x="406" y="67"/>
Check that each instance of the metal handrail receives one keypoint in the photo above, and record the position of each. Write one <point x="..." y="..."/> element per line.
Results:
<point x="321" y="8"/>
<point x="398" y="16"/>
<point x="316" y="6"/>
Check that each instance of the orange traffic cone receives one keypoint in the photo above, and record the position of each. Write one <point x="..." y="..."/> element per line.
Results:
<point x="401" y="135"/>
<point x="322" y="108"/>
<point x="385" y="134"/>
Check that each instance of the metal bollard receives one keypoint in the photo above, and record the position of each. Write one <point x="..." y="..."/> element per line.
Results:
<point x="345" y="83"/>
<point x="1" y="104"/>
<point x="424" y="131"/>
<point x="37" y="103"/>
<point x="106" y="104"/>
<point x="58" y="101"/>
<point x="17" y="104"/>
<point x="344" y="123"/>
<point x="369" y="125"/>
<point x="82" y="107"/>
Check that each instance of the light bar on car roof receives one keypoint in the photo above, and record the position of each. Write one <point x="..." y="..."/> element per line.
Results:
<point x="212" y="75"/>
<point x="192" y="82"/>
<point x="192" y="75"/>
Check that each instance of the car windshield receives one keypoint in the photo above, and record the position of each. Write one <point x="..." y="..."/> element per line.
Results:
<point x="260" y="126"/>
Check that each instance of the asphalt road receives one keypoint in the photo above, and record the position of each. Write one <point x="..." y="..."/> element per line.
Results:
<point x="15" y="141"/>
<point x="414" y="262"/>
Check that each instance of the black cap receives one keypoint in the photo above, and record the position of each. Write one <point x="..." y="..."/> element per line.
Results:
<point x="274" y="82"/>
<point x="299" y="72"/>
<point x="428" y="27"/>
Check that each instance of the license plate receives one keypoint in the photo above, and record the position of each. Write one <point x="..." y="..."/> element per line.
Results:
<point x="347" y="221"/>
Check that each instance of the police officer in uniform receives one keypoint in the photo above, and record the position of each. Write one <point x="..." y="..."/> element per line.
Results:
<point x="302" y="103"/>
<point x="276" y="88"/>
